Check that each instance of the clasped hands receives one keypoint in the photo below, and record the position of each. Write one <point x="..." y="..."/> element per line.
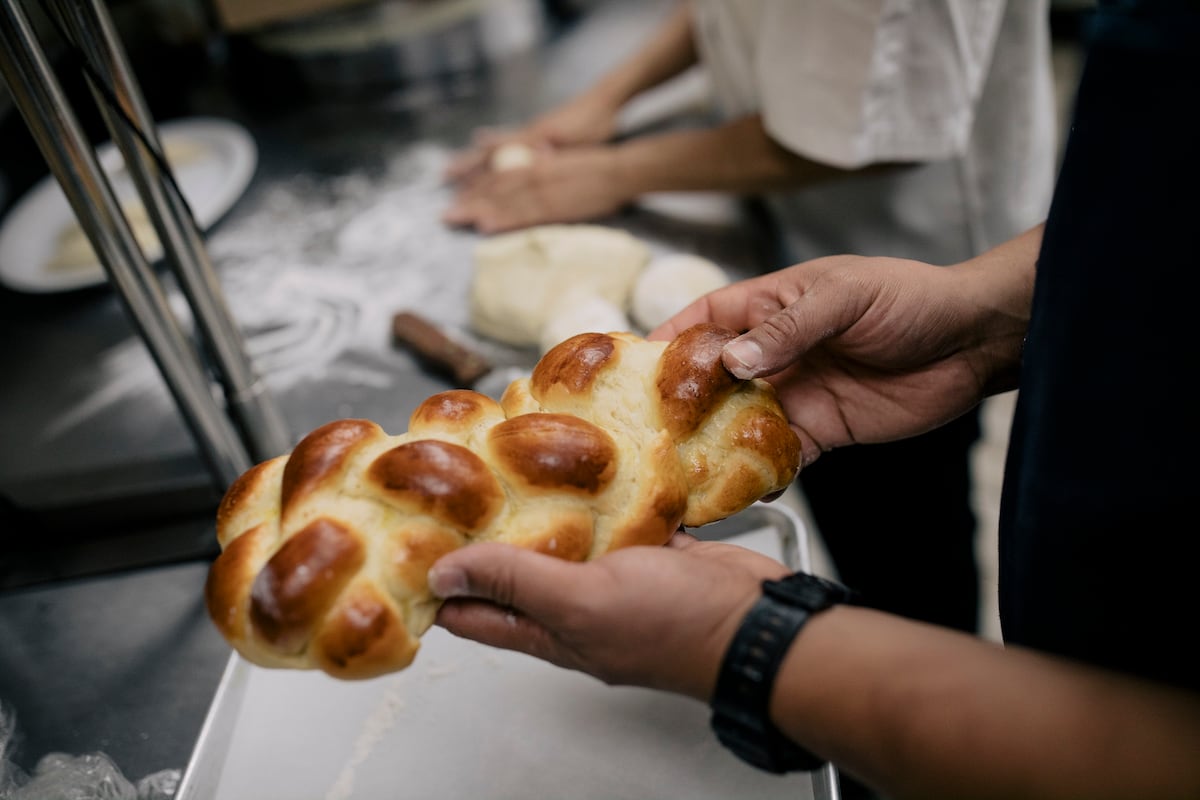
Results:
<point x="574" y="176"/>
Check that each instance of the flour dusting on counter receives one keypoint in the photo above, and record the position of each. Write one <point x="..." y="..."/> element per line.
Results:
<point x="315" y="269"/>
<point x="374" y="729"/>
<point x="435" y="671"/>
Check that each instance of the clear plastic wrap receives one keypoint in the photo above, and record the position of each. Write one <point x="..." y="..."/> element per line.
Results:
<point x="60" y="776"/>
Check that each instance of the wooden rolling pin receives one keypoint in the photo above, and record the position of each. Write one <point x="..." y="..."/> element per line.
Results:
<point x="437" y="351"/>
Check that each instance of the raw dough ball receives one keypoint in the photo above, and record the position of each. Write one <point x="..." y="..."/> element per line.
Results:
<point x="513" y="155"/>
<point x="520" y="276"/>
<point x="669" y="283"/>
<point x="581" y="310"/>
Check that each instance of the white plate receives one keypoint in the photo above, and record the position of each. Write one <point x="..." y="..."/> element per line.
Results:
<point x="213" y="160"/>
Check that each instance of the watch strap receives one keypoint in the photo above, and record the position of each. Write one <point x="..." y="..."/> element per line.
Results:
<point x="740" y="717"/>
<point x="741" y="699"/>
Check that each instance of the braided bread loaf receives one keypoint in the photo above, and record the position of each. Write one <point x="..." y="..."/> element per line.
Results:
<point x="613" y="441"/>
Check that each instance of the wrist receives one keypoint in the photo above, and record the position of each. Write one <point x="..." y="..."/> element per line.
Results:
<point x="613" y="91"/>
<point x="625" y="175"/>
<point x="638" y="167"/>
<point x="996" y="297"/>
<point x="742" y="698"/>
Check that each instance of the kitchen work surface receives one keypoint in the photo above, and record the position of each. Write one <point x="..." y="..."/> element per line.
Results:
<point x="466" y="720"/>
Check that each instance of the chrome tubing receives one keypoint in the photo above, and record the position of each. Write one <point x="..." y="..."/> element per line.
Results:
<point x="59" y="136"/>
<point x="250" y="405"/>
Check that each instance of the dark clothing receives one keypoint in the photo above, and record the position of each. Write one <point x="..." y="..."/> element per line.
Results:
<point x="896" y="519"/>
<point x="1099" y="524"/>
<point x="898" y="524"/>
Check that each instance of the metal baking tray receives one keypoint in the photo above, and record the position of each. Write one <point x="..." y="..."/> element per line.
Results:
<point x="470" y="721"/>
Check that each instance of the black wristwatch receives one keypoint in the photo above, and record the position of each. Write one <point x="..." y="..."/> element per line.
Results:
<point x="739" y="704"/>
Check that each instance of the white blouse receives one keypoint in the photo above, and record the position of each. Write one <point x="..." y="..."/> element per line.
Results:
<point x="960" y="90"/>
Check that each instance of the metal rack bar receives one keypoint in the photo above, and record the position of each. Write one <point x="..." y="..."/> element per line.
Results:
<point x="247" y="427"/>
<point x="250" y="406"/>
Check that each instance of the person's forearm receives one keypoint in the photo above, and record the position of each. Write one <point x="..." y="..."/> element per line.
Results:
<point x="668" y="53"/>
<point x="999" y="287"/>
<point x="920" y="711"/>
<point x="738" y="157"/>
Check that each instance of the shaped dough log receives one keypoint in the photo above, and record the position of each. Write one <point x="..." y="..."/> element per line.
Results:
<point x="520" y="277"/>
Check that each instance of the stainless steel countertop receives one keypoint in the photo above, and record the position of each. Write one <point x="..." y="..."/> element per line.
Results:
<point x="337" y="231"/>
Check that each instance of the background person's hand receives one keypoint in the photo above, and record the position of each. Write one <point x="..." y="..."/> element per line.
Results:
<point x="588" y="119"/>
<point x="580" y="122"/>
<point x="560" y="186"/>
<point x="475" y="160"/>
<point x="659" y="617"/>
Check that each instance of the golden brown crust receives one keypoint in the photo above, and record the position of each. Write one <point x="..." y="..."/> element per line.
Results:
<point x="612" y="442"/>
<point x="653" y="506"/>
<point x="295" y="587"/>
<point x="242" y="488"/>
<point x="574" y="364"/>
<point x="455" y="410"/>
<point x="319" y="456"/>
<point x="239" y="499"/>
<point x="225" y="592"/>
<point x="691" y="380"/>
<point x="362" y="637"/>
<point x="768" y="436"/>
<point x="409" y="550"/>
<point x="564" y="532"/>
<point x="554" y="451"/>
<point x="442" y="480"/>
